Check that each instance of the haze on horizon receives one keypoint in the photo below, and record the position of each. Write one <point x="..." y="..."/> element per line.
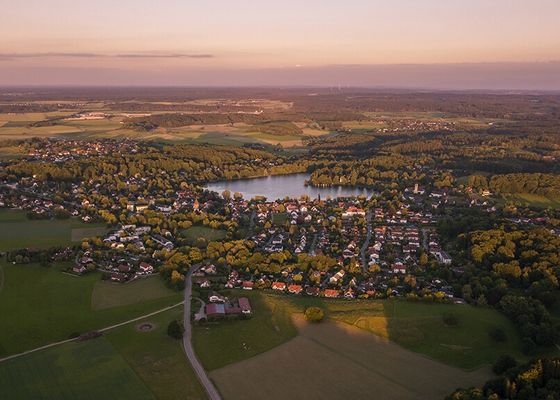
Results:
<point x="477" y="44"/>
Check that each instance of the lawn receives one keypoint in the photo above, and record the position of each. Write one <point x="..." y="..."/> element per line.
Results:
<point x="279" y="218"/>
<point x="158" y="359"/>
<point x="42" y="305"/>
<point x="415" y="326"/>
<point x="73" y="371"/>
<point x="108" y="294"/>
<point x="17" y="232"/>
<point x="210" y="234"/>
<point x="335" y="360"/>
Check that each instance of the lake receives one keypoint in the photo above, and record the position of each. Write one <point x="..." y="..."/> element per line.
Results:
<point x="280" y="186"/>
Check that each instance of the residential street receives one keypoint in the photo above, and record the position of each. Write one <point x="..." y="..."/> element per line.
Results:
<point x="365" y="246"/>
<point x="187" y="343"/>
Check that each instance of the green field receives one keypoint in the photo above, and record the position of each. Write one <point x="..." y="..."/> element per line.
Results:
<point x="17" y="232"/>
<point x="210" y="234"/>
<point x="337" y="361"/>
<point x="158" y="359"/>
<point x="533" y="200"/>
<point x="73" y="371"/>
<point x="415" y="326"/>
<point x="42" y="305"/>
<point x="108" y="294"/>
<point x="224" y="343"/>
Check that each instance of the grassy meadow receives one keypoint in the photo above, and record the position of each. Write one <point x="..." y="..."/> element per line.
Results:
<point x="533" y="200"/>
<point x="107" y="294"/>
<point x="158" y="359"/>
<point x="210" y="234"/>
<point x="16" y="231"/>
<point x="72" y="371"/>
<point x="41" y="305"/>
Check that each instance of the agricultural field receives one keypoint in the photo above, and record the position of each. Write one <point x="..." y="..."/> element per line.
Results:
<point x="17" y="232"/>
<point x="73" y="371"/>
<point x="108" y="294"/>
<point x="158" y="359"/>
<point x="19" y="126"/>
<point x="41" y="305"/>
<point x="418" y="327"/>
<point x="533" y="200"/>
<point x="210" y="234"/>
<point x="335" y="360"/>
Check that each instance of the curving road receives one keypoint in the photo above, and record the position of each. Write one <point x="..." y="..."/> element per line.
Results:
<point x="187" y="342"/>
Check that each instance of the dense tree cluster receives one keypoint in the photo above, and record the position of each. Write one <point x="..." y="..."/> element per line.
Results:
<point x="538" y="379"/>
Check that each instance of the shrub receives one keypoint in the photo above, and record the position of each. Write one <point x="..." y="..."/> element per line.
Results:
<point x="503" y="363"/>
<point x="450" y="319"/>
<point x="314" y="314"/>
<point x="498" y="335"/>
<point x="175" y="330"/>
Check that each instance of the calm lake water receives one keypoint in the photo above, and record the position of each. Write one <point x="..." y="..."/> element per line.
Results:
<point x="280" y="186"/>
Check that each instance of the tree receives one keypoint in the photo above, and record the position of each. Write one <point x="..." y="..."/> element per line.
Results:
<point x="314" y="314"/>
<point x="226" y="194"/>
<point x="503" y="363"/>
<point x="175" y="329"/>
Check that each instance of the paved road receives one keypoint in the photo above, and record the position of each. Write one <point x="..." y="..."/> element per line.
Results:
<point x="313" y="244"/>
<point x="366" y="242"/>
<point x="251" y="223"/>
<point x="98" y="330"/>
<point x="187" y="343"/>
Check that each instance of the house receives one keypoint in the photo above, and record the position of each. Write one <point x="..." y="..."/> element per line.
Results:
<point x="312" y="291"/>
<point x="247" y="285"/>
<point x="443" y="258"/>
<point x="146" y="268"/>
<point x="295" y="289"/>
<point x="209" y="269"/>
<point x="216" y="298"/>
<point x="281" y="286"/>
<point x="398" y="268"/>
<point x="79" y="269"/>
<point x="205" y="283"/>
<point x="353" y="211"/>
<point x="118" y="277"/>
<point x="331" y="293"/>
<point x="337" y="277"/>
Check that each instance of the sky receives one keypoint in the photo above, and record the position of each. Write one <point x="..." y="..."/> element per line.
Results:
<point x="469" y="44"/>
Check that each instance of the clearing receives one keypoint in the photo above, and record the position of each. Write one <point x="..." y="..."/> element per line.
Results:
<point x="210" y="234"/>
